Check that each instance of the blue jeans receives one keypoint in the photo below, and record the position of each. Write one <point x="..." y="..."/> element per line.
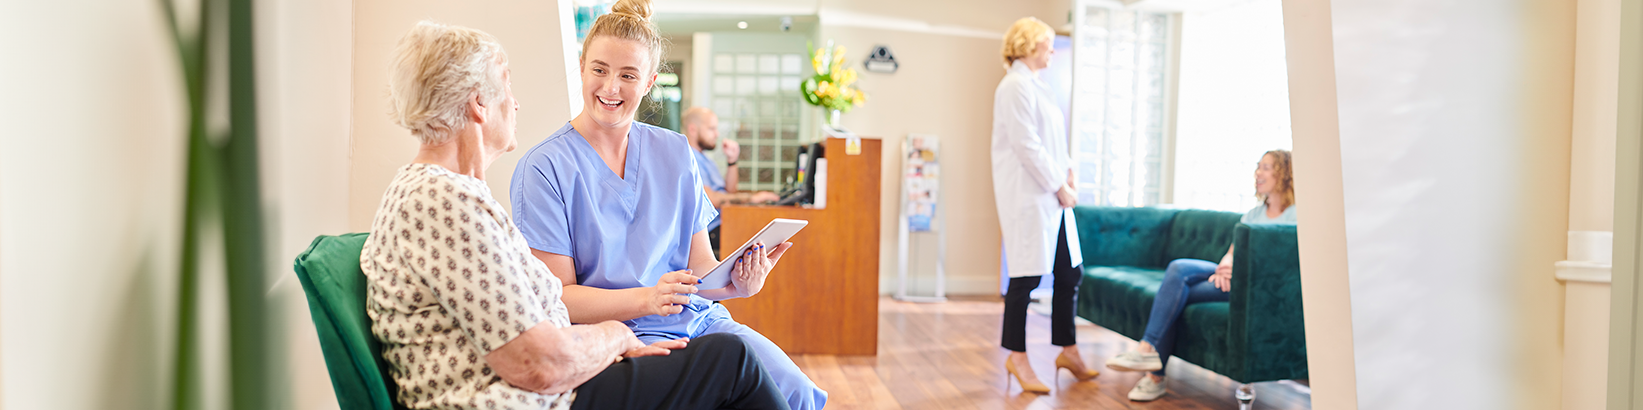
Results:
<point x="1186" y="281"/>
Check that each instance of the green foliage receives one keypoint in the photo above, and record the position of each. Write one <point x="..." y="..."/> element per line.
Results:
<point x="223" y="181"/>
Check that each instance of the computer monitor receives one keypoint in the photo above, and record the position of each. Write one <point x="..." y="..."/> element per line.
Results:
<point x="805" y="186"/>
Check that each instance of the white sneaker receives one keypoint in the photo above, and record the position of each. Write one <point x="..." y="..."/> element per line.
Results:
<point x="1147" y="390"/>
<point x="1135" y="362"/>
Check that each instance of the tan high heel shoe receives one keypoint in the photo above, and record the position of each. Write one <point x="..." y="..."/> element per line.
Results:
<point x="1077" y="368"/>
<point x="1036" y="388"/>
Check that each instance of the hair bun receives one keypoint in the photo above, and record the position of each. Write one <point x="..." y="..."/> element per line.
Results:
<point x="636" y="8"/>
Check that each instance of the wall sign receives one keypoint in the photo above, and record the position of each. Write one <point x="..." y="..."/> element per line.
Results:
<point x="881" y="60"/>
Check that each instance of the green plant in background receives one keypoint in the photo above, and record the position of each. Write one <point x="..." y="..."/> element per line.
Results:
<point x="831" y="87"/>
<point x="222" y="183"/>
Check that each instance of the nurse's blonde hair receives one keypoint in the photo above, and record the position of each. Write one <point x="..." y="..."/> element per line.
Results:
<point x="629" y="20"/>
<point x="1023" y="39"/>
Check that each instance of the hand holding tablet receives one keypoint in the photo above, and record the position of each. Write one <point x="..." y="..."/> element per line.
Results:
<point x="772" y="236"/>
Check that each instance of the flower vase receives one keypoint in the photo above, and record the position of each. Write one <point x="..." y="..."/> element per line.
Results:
<point x="833" y="119"/>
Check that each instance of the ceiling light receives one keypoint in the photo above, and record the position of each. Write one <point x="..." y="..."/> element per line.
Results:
<point x="741" y="25"/>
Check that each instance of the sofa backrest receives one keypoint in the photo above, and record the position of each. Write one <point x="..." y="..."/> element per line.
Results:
<point x="1199" y="234"/>
<point x="1123" y="236"/>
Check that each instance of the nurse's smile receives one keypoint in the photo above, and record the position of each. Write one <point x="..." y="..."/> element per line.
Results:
<point x="615" y="71"/>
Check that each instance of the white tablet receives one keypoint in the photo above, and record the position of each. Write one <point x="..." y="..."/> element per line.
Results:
<point x="779" y="230"/>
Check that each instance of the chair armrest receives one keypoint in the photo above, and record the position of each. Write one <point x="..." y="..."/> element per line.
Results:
<point x="1267" y="329"/>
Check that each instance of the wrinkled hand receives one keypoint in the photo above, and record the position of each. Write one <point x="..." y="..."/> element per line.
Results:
<point x="629" y="342"/>
<point x="752" y="267"/>
<point x="662" y="348"/>
<point x="1067" y="196"/>
<point x="732" y="150"/>
<point x="671" y="294"/>
<point x="1222" y="279"/>
<point x="763" y="197"/>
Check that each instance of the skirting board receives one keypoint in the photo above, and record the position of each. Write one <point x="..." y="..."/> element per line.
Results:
<point x="956" y="286"/>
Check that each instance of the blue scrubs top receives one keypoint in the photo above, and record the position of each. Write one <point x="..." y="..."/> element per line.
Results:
<point x="711" y="179"/>
<point x="622" y="232"/>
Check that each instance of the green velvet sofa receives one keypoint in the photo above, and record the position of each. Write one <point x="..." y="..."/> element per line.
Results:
<point x="1258" y="336"/>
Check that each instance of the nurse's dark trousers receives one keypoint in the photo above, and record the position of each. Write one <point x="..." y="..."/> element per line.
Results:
<point x="1067" y="278"/>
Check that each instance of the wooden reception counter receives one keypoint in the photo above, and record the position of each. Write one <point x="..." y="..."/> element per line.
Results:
<point x="822" y="298"/>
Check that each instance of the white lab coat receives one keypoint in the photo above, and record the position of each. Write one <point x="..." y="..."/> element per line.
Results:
<point x="1030" y="163"/>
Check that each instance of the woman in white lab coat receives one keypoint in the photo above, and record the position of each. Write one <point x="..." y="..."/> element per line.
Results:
<point x="1033" y="184"/>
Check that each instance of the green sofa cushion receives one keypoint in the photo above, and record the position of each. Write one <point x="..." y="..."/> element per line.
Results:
<point x="1123" y="236"/>
<point x="1201" y="336"/>
<point x="331" y="277"/>
<point x="1200" y="234"/>
<point x="1119" y="298"/>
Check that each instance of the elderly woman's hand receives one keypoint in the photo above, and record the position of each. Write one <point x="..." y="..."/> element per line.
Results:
<point x="661" y="348"/>
<point x="748" y="274"/>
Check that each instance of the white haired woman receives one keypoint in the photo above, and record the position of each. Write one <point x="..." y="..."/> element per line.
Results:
<point x="1033" y="185"/>
<point x="467" y="318"/>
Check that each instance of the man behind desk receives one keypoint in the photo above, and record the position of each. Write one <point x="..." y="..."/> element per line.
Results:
<point x="702" y="129"/>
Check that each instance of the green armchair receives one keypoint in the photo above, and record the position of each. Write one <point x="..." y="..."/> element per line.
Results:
<point x="335" y="285"/>
<point x="1258" y="336"/>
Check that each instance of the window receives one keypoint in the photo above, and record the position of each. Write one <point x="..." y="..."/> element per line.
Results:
<point x="1118" y="117"/>
<point x="756" y="96"/>
<point x="1233" y="103"/>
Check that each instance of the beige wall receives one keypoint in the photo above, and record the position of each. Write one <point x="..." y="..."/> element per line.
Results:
<point x="305" y="95"/>
<point x="1586" y="346"/>
<point x="965" y="71"/>
<point x="1318" y="183"/>
<point x="1591" y="201"/>
<point x="945" y="88"/>
<point x="1597" y="77"/>
<point x="1548" y="43"/>
<point x="91" y="175"/>
<point x="532" y="33"/>
<point x="990" y="15"/>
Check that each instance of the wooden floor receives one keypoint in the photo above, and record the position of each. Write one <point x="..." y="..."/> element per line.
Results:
<point x="946" y="356"/>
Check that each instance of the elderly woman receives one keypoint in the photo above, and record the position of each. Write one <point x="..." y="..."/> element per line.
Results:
<point x="467" y="318"/>
<point x="1188" y="281"/>
<point x="616" y="209"/>
<point x="1033" y="185"/>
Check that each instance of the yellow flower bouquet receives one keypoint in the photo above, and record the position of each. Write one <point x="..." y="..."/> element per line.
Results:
<point x="831" y="87"/>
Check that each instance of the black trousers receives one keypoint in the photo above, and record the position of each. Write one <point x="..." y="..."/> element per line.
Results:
<point x="713" y="240"/>
<point x="1067" y="278"/>
<point x="717" y="371"/>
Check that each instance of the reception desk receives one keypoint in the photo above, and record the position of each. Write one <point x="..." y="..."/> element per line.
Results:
<point x="822" y="297"/>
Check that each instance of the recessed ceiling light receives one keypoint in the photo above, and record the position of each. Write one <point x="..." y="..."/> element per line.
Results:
<point x="741" y="25"/>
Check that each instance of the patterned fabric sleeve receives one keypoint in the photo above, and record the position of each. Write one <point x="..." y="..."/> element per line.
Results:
<point x="482" y="286"/>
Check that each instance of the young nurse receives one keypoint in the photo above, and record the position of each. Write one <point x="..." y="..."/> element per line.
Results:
<point x="617" y="212"/>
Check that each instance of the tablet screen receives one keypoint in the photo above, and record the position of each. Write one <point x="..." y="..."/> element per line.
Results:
<point x="777" y="231"/>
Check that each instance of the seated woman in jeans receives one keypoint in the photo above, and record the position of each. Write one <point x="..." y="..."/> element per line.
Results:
<point x="1188" y="281"/>
<point x="468" y="319"/>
